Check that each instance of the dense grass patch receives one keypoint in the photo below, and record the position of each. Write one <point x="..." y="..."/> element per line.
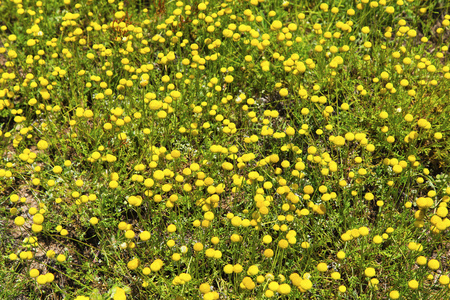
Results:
<point x="224" y="150"/>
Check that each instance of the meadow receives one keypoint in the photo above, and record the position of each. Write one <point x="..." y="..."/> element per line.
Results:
<point x="224" y="149"/>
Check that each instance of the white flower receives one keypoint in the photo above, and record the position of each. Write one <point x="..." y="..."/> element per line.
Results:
<point x="269" y="276"/>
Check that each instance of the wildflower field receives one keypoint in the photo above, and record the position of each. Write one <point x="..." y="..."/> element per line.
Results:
<point x="233" y="149"/>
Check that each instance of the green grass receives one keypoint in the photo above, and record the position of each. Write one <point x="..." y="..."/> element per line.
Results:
<point x="224" y="150"/>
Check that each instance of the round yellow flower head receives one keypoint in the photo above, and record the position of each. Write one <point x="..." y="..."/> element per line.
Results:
<point x="129" y="234"/>
<point x="204" y="288"/>
<point x="228" y="269"/>
<point x="413" y="284"/>
<point x="322" y="267"/>
<point x="19" y="221"/>
<point x="308" y="189"/>
<point x="284" y="289"/>
<point x="61" y="258"/>
<point x="276" y="25"/>
<point x="306" y="284"/>
<point x="444" y="279"/>
<point x="156" y="265"/>
<point x="201" y="6"/>
<point x="363" y="230"/>
<point x="198" y="247"/>
<point x="267" y="239"/>
<point x="49" y="277"/>
<point x="34" y="273"/>
<point x="336" y="275"/>
<point x="369" y="272"/>
<point x="339" y="140"/>
<point x="283" y="244"/>
<point x="42" y="145"/>
<point x="377" y="239"/>
<point x="433" y="264"/>
<point x="38" y="219"/>
<point x="421" y="260"/>
<point x="237" y="268"/>
<point x="284" y="92"/>
<point x="253" y="270"/>
<point x="171" y="228"/>
<point x="394" y="294"/>
<point x="409" y="118"/>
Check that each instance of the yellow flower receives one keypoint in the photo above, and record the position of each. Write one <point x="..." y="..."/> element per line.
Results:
<point x="444" y="279"/>
<point x="369" y="196"/>
<point x="369" y="272"/>
<point x="253" y="270"/>
<point x="284" y="289"/>
<point x="19" y="221"/>
<point x="236" y="221"/>
<point x="283" y="244"/>
<point x="204" y="288"/>
<point x="308" y="189"/>
<point x="276" y="25"/>
<point x="306" y="284"/>
<point x="171" y="228"/>
<point x="248" y="283"/>
<point x="156" y="265"/>
<point x="377" y="239"/>
<point x="42" y="145"/>
<point x="273" y="286"/>
<point x="339" y="140"/>
<point x="322" y="267"/>
<point x="413" y="284"/>
<point x="119" y="294"/>
<point x="41" y="279"/>
<point x="438" y="135"/>
<point x="201" y="6"/>
<point x="198" y="247"/>
<point x="267" y="239"/>
<point x="390" y="9"/>
<point x="236" y="238"/>
<point x="61" y="258"/>
<point x="336" y="275"/>
<point x="237" y="268"/>
<point x="129" y="234"/>
<point x="409" y="118"/>
<point x="228" y="269"/>
<point x="113" y="184"/>
<point x="394" y="294"/>
<point x="49" y="277"/>
<point x="34" y="273"/>
<point x="284" y="92"/>
<point x="433" y="264"/>
<point x="397" y="169"/>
